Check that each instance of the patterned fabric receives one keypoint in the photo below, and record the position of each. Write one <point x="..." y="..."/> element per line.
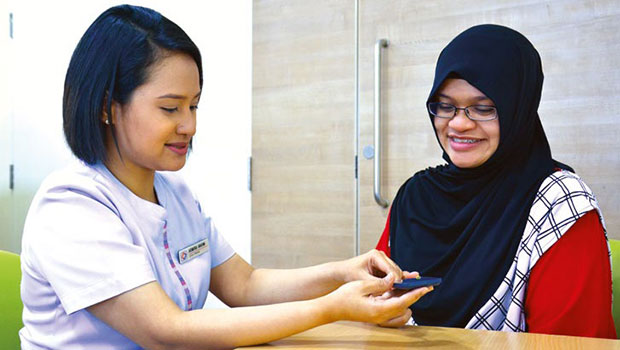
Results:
<point x="561" y="200"/>
<point x="188" y="295"/>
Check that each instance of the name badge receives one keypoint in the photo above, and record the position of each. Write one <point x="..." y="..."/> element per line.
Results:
<point x="188" y="253"/>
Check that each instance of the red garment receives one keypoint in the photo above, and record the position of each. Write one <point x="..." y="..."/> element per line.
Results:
<point x="569" y="289"/>
<point x="384" y="241"/>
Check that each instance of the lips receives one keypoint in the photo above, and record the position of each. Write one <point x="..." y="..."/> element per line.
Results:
<point x="179" y="148"/>
<point x="463" y="143"/>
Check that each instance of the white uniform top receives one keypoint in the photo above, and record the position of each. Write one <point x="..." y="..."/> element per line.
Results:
<point x="87" y="238"/>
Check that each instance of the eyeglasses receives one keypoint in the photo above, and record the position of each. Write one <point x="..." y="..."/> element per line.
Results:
<point x="477" y="112"/>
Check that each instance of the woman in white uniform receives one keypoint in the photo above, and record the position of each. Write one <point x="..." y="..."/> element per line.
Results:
<point x="118" y="255"/>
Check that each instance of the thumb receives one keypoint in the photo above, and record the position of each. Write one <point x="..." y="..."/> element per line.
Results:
<point x="378" y="286"/>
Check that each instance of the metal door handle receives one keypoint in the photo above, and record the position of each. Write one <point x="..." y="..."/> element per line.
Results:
<point x="381" y="43"/>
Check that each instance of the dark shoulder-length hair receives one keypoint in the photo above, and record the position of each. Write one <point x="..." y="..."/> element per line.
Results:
<point x="111" y="60"/>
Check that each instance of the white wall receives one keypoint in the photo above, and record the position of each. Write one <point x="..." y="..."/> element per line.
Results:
<point x="45" y="34"/>
<point x="217" y="168"/>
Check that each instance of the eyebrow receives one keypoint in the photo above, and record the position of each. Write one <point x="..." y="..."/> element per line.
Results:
<point x="177" y="97"/>
<point x="479" y="98"/>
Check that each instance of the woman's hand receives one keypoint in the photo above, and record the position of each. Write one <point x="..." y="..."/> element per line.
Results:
<point x="371" y="265"/>
<point x="403" y="318"/>
<point x="373" y="301"/>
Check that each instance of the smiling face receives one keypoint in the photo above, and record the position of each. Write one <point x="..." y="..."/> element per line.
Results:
<point x="468" y="143"/>
<point x="155" y="127"/>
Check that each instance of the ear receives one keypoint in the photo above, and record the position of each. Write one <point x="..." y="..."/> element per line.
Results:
<point x="109" y="119"/>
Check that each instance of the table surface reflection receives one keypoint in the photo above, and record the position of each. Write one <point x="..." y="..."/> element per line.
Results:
<point x="352" y="335"/>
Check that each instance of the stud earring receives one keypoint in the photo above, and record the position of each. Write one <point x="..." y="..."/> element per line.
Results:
<point x="107" y="122"/>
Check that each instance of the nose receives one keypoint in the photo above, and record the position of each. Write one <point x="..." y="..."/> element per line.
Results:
<point x="461" y="122"/>
<point x="187" y="124"/>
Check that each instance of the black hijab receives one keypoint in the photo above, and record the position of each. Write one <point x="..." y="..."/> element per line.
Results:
<point x="465" y="224"/>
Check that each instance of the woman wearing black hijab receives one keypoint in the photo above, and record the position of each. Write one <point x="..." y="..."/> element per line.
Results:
<point x="517" y="237"/>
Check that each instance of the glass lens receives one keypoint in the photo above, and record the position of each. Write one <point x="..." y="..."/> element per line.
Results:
<point x="442" y="110"/>
<point x="480" y="112"/>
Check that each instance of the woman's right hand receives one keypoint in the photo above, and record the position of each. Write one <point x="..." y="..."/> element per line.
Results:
<point x="373" y="301"/>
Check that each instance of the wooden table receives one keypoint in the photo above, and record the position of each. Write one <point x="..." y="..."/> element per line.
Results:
<point x="350" y="335"/>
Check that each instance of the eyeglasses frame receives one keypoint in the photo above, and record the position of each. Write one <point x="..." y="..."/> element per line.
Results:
<point x="465" y="109"/>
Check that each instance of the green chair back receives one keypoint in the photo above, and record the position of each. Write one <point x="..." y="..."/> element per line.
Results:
<point x="615" y="276"/>
<point x="10" y="301"/>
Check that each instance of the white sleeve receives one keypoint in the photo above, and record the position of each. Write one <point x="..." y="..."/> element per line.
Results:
<point x="83" y="249"/>
<point x="220" y="249"/>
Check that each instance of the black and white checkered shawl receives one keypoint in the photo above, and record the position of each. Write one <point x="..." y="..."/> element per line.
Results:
<point x="561" y="199"/>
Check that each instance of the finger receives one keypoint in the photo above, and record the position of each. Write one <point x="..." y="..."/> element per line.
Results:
<point x="377" y="286"/>
<point x="385" y="296"/>
<point x="393" y="293"/>
<point x="379" y="261"/>
<point x="407" y="274"/>
<point x="414" y="295"/>
<point x="392" y="266"/>
<point x="398" y="321"/>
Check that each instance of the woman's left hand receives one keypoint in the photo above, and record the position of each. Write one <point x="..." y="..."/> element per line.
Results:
<point x="404" y="317"/>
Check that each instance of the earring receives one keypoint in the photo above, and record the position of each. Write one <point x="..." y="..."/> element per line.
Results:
<point x="107" y="122"/>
